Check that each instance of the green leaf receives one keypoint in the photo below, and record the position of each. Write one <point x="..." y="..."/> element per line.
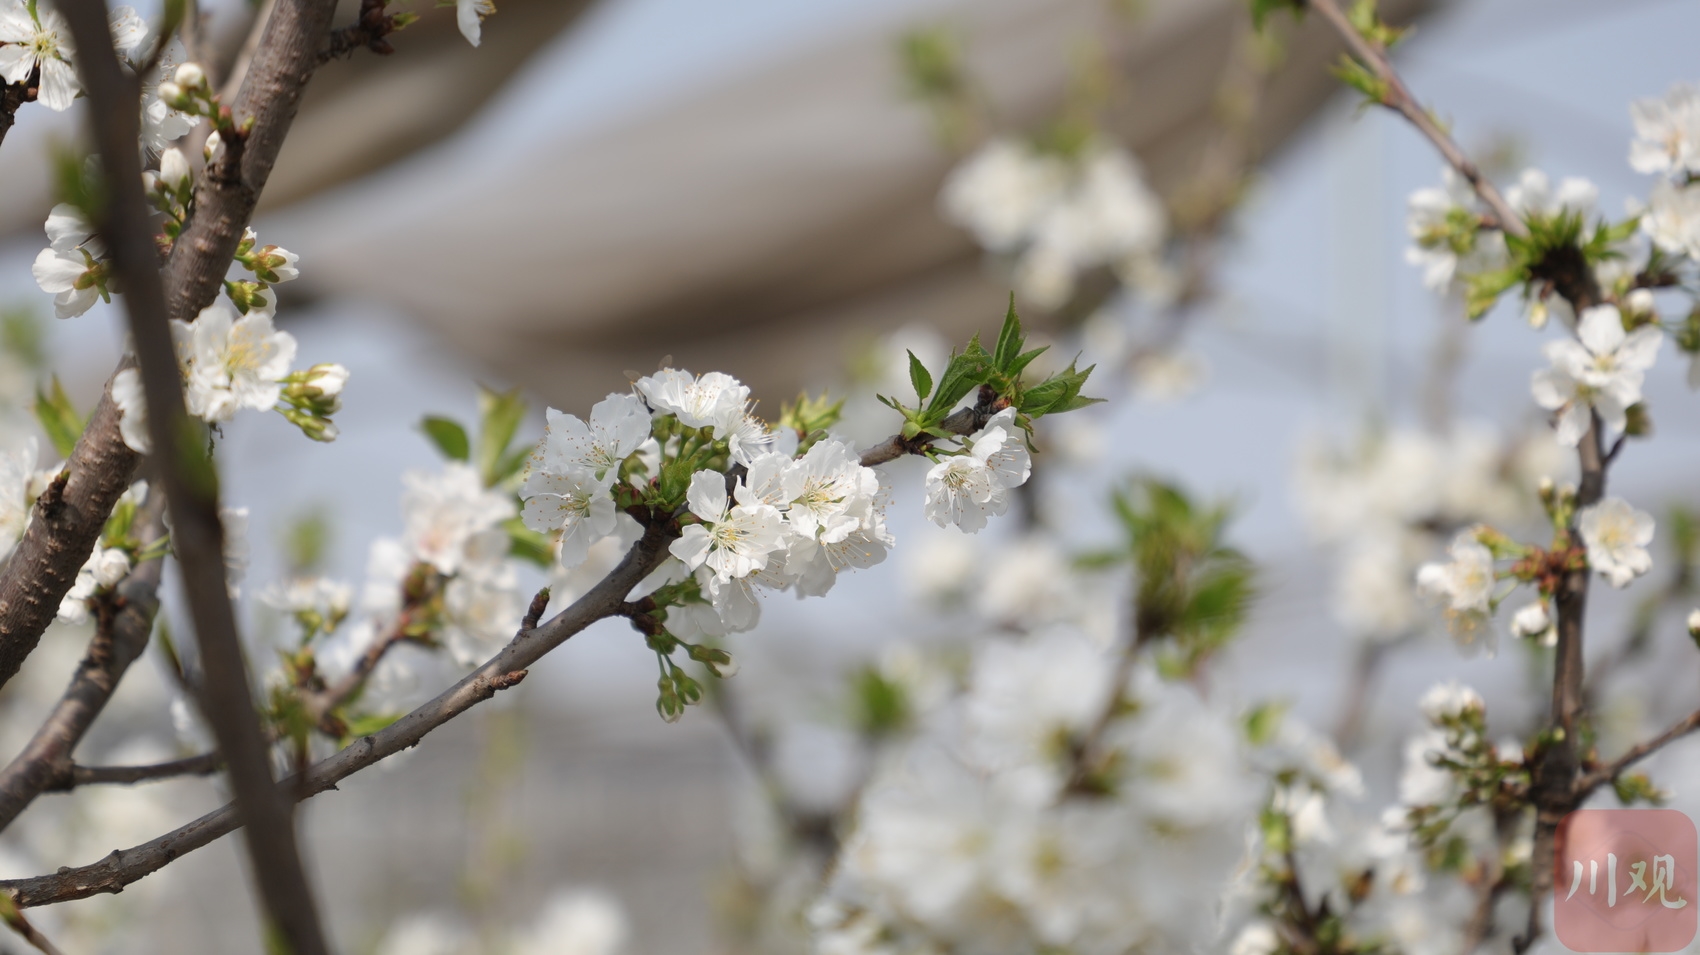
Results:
<point x="58" y="418"/>
<point x="920" y="378"/>
<point x="526" y="544"/>
<point x="1260" y="10"/>
<point x="1361" y="78"/>
<point x="1010" y="340"/>
<point x="368" y="723"/>
<point x="512" y="464"/>
<point x="965" y="372"/>
<point x="881" y="705"/>
<point x="500" y="414"/>
<point x="1057" y="394"/>
<point x="1024" y="359"/>
<point x="1483" y="289"/>
<point x="448" y="436"/>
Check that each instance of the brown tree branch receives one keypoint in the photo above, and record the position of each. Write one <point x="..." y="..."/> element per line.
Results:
<point x="120" y="637"/>
<point x="1611" y="771"/>
<point x="607" y="599"/>
<point x="502" y="671"/>
<point x="203" y="764"/>
<point x="1553" y="783"/>
<point x="965" y="421"/>
<point x="187" y="476"/>
<point x="67" y="522"/>
<point x="1399" y="99"/>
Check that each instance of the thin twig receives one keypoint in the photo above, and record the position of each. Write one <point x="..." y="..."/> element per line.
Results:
<point x="506" y="669"/>
<point x="1399" y="99"/>
<point x="15" y="920"/>
<point x="1611" y="771"/>
<point x="203" y="764"/>
<point x="191" y="488"/>
<point x="120" y="637"/>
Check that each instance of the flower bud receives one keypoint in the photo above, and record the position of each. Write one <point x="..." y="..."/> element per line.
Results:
<point x="190" y="76"/>
<point x="171" y="95"/>
<point x="277" y="264"/>
<point x="1694" y="626"/>
<point x="328" y="378"/>
<point x="214" y="150"/>
<point x="1538" y="314"/>
<point x="1533" y="622"/>
<point x="174" y="169"/>
<point x="1639" y="303"/>
<point x="110" y="567"/>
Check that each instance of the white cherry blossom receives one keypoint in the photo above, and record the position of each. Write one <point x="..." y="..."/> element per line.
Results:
<point x="1667" y="132"/>
<point x="1533" y="622"/>
<point x="735" y="539"/>
<point x="828" y="493"/>
<point x="1672" y="219"/>
<point x="443" y="510"/>
<point x="132" y="409"/>
<point x="1602" y="371"/>
<point x="231" y="361"/>
<point x="618" y="425"/>
<point x="1616" y="536"/>
<point x="714" y="400"/>
<point x="1430" y="220"/>
<point x="1465" y="581"/>
<point x="1001" y="192"/>
<point x="469" y="16"/>
<point x="1449" y="700"/>
<point x="16" y="469"/>
<point x="964" y="489"/>
<point x="572" y="506"/>
<point x="1533" y="195"/>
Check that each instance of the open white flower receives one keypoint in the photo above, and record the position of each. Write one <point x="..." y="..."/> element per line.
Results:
<point x="1466" y="580"/>
<point x="104" y="569"/>
<point x="965" y="489"/>
<point x="27" y="43"/>
<point x="714" y="400"/>
<point x="1449" y="700"/>
<point x="469" y="16"/>
<point x="1533" y="195"/>
<point x="571" y="506"/>
<point x="443" y="510"/>
<point x="16" y="469"/>
<point x="1672" y="219"/>
<point x="1603" y="372"/>
<point x="828" y="493"/>
<point x="1667" y="132"/>
<point x="1432" y="220"/>
<point x="618" y="425"/>
<point x="132" y="409"/>
<point x="1000" y="193"/>
<point x="231" y="361"/>
<point x="70" y="268"/>
<point x="1616" y="536"/>
<point x="734" y="540"/>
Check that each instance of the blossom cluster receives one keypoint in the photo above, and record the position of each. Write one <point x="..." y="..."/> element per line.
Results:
<point x="1056" y="215"/>
<point x="979" y="833"/>
<point x="1386" y="505"/>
